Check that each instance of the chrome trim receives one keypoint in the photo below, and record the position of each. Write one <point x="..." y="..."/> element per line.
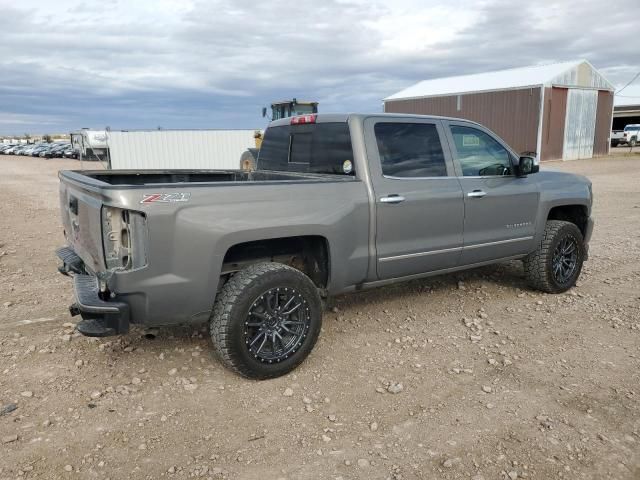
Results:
<point x="454" y="249"/>
<point x="389" y="281"/>
<point x="487" y="176"/>
<point x="392" y="199"/>
<point x="499" y="242"/>
<point x="477" y="194"/>
<point x="420" y="254"/>
<point x="390" y="177"/>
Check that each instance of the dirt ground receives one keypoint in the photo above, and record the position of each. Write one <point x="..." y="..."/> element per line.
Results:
<point x="498" y="381"/>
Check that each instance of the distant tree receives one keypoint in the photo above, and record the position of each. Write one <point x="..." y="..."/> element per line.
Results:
<point x="27" y="137"/>
<point x="47" y="138"/>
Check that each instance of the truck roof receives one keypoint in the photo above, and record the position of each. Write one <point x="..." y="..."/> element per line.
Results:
<point x="343" y="117"/>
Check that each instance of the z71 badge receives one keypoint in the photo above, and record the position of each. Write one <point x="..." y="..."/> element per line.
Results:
<point x="165" y="197"/>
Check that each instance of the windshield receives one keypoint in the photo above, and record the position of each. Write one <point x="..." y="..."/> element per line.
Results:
<point x="631" y="127"/>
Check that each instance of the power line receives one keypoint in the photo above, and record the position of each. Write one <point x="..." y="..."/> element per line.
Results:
<point x="630" y="82"/>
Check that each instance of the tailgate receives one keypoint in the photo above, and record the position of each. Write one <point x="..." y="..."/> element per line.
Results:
<point x="81" y="217"/>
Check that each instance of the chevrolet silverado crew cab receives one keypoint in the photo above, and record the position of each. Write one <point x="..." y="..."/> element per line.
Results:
<point x="339" y="203"/>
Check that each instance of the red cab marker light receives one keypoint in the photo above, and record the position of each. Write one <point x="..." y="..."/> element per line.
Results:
<point x="302" y="119"/>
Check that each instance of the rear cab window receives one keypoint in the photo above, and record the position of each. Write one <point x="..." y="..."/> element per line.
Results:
<point x="323" y="147"/>
<point x="410" y="150"/>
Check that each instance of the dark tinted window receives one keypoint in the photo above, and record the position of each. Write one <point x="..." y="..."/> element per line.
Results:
<point x="480" y="154"/>
<point x="410" y="150"/>
<point x="301" y="148"/>
<point x="313" y="148"/>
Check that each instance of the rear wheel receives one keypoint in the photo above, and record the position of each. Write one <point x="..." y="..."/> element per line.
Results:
<point x="557" y="262"/>
<point x="266" y="320"/>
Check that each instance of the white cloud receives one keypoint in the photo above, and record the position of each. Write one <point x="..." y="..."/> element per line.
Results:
<point x="10" y="118"/>
<point x="215" y="63"/>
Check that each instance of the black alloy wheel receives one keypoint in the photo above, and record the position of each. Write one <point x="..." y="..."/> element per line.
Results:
<point x="277" y="323"/>
<point x="565" y="259"/>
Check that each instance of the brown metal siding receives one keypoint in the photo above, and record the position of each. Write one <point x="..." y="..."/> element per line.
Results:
<point x="555" y="111"/>
<point x="603" y="123"/>
<point x="512" y="114"/>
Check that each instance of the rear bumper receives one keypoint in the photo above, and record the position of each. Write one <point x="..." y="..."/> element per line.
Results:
<point x="100" y="317"/>
<point x="107" y="317"/>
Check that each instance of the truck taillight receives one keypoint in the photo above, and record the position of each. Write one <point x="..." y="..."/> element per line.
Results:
<point x="302" y="119"/>
<point x="124" y="238"/>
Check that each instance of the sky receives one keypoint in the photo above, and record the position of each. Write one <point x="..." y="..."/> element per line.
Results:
<point x="131" y="64"/>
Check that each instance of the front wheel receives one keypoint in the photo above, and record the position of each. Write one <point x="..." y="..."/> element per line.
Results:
<point x="557" y="262"/>
<point x="633" y="142"/>
<point x="266" y="320"/>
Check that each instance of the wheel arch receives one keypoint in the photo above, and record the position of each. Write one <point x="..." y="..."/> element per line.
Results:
<point x="574" y="213"/>
<point x="310" y="254"/>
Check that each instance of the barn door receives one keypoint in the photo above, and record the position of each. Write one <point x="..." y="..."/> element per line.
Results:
<point x="580" y="124"/>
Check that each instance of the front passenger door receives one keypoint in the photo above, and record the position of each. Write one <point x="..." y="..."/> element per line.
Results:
<point x="500" y="208"/>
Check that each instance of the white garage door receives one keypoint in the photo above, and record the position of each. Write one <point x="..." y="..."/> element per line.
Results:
<point x="580" y="124"/>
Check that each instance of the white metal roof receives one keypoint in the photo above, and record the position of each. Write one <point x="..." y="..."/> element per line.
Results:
<point x="556" y="73"/>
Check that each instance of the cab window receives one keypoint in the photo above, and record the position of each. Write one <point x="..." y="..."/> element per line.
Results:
<point x="312" y="148"/>
<point x="410" y="150"/>
<point x="479" y="154"/>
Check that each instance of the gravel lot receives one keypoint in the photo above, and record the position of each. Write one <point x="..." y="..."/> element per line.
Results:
<point x="470" y="376"/>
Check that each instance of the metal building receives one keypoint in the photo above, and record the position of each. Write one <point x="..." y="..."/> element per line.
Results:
<point x="178" y="149"/>
<point x="560" y="111"/>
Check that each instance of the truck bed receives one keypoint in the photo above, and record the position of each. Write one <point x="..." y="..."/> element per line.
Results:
<point x="132" y="178"/>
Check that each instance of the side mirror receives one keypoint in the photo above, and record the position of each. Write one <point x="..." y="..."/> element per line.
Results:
<point x="264" y="112"/>
<point x="527" y="165"/>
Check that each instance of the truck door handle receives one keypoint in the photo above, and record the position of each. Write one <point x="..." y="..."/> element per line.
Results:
<point x="393" y="198"/>
<point x="476" y="194"/>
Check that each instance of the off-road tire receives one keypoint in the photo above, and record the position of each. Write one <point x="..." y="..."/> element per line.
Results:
<point x="538" y="266"/>
<point x="231" y="310"/>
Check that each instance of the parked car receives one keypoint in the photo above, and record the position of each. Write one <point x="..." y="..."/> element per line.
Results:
<point x="5" y="147"/>
<point x="20" y="149"/>
<point x="70" y="153"/>
<point x="35" y="152"/>
<point x="55" y="151"/>
<point x="339" y="203"/>
<point x="11" y="150"/>
<point x="60" y="151"/>
<point x="28" y="150"/>
<point x="631" y="135"/>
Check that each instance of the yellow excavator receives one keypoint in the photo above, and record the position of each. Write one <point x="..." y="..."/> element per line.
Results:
<point x="283" y="109"/>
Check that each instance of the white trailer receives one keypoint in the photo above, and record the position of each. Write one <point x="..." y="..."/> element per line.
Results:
<point x="178" y="149"/>
<point x="90" y="144"/>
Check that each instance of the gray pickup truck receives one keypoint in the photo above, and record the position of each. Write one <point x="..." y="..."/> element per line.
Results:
<point x="339" y="203"/>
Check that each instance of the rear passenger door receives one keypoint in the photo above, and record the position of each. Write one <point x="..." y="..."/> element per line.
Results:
<point x="419" y="205"/>
<point x="500" y="208"/>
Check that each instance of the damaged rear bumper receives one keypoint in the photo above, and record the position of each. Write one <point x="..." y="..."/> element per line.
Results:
<point x="100" y="318"/>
